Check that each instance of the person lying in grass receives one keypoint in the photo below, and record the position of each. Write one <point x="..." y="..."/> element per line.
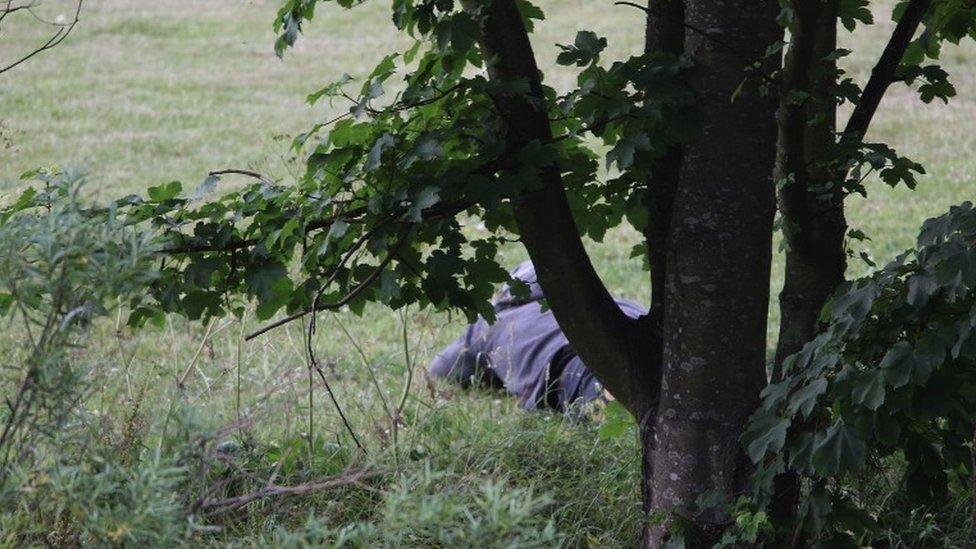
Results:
<point x="523" y="352"/>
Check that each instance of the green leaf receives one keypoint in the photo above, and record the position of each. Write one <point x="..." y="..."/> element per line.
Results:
<point x="337" y="229"/>
<point x="530" y="12"/>
<point x="165" y="192"/>
<point x="262" y="279"/>
<point x="921" y="287"/>
<point x="281" y="293"/>
<point x="801" y="452"/>
<point x="766" y="434"/>
<point x="839" y="451"/>
<point x="804" y="399"/>
<point x="426" y="198"/>
<point x="464" y="32"/>
<point x="612" y="429"/>
<point x="869" y="389"/>
<point x="25" y="200"/>
<point x="897" y="364"/>
<point x="622" y="154"/>
<point x="584" y="50"/>
<point x="853" y="11"/>
<point x="332" y="90"/>
<point x="617" y="420"/>
<point x="774" y="393"/>
<point x="930" y="353"/>
<point x="205" y="188"/>
<point x="374" y="159"/>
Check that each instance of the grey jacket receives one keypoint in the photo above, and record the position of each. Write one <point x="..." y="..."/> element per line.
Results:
<point x="524" y="351"/>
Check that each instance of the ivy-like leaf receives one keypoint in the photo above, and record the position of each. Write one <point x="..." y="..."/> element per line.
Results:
<point x="804" y="399"/>
<point x="852" y="12"/>
<point x="375" y="156"/>
<point x="262" y="278"/>
<point x="585" y="49"/>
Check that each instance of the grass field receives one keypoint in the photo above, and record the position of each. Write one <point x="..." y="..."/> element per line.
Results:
<point x="147" y="92"/>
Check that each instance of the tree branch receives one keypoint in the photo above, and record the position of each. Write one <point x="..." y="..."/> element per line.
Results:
<point x="271" y="489"/>
<point x="793" y="123"/>
<point x="595" y="326"/>
<point x="255" y="175"/>
<point x="344" y="300"/>
<point x="884" y="71"/>
<point x="59" y="36"/>
<point x="314" y="225"/>
<point x="10" y="9"/>
<point x="436" y="211"/>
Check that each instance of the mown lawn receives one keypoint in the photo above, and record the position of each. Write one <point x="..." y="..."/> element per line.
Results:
<point x="147" y="92"/>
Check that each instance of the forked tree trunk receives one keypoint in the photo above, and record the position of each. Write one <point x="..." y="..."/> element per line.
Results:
<point x="812" y="204"/>
<point x="717" y="242"/>
<point x="719" y="253"/>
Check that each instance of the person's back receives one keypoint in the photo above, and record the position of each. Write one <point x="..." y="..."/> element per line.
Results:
<point x="524" y="351"/>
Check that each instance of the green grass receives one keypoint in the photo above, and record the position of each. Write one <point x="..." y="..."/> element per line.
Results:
<point x="146" y="92"/>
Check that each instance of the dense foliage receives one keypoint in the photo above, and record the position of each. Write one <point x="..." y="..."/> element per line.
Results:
<point x="893" y="372"/>
<point x="404" y="200"/>
<point x="60" y="269"/>
<point x="405" y="195"/>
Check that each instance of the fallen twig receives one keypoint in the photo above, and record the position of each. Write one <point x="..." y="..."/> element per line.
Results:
<point x="352" y="477"/>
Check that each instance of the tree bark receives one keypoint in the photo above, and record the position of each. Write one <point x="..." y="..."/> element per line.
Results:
<point x="811" y="202"/>
<point x="718" y="264"/>
<point x="812" y="208"/>
<point x="665" y="32"/>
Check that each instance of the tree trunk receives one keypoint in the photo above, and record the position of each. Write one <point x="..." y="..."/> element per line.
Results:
<point x="665" y="32"/>
<point x="718" y="265"/>
<point x="812" y="208"/>
<point x="811" y="203"/>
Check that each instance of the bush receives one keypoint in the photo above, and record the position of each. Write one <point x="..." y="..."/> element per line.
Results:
<point x="60" y="266"/>
<point x="63" y="480"/>
<point x="427" y="508"/>
<point x="890" y="384"/>
<point x="93" y="499"/>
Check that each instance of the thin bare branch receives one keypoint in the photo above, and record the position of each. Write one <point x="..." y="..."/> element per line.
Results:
<point x="353" y="477"/>
<point x="64" y="29"/>
<point x="261" y="177"/>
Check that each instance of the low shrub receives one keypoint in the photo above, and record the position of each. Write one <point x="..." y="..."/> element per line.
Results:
<point x="889" y="386"/>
